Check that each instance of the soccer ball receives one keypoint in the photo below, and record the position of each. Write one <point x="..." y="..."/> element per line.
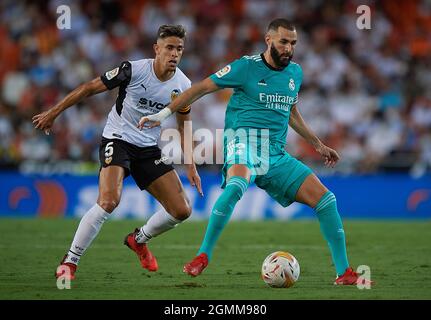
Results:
<point x="280" y="270"/>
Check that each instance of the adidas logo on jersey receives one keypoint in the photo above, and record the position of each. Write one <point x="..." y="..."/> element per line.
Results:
<point x="262" y="83"/>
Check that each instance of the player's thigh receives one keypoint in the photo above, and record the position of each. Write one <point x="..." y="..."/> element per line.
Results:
<point x="115" y="152"/>
<point x="114" y="156"/>
<point x="284" y="178"/>
<point x="311" y="191"/>
<point x="169" y="191"/>
<point x="110" y="186"/>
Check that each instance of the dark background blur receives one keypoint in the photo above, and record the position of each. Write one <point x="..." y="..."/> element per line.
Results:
<point x="365" y="92"/>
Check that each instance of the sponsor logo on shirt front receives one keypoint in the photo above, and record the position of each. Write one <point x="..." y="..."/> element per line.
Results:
<point x="277" y="101"/>
<point x="149" y="104"/>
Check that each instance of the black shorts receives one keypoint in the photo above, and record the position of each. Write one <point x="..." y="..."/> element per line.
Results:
<point x="145" y="164"/>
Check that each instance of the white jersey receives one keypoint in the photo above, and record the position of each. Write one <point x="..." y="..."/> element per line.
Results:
<point x="140" y="94"/>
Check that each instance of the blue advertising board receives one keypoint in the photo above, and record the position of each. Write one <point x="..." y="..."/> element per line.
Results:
<point x="359" y="197"/>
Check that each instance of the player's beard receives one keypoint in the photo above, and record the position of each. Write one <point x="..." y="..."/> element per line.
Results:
<point x="276" y="57"/>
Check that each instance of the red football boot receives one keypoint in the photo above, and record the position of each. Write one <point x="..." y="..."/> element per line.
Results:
<point x="66" y="268"/>
<point x="197" y="265"/>
<point x="350" y="277"/>
<point x="148" y="261"/>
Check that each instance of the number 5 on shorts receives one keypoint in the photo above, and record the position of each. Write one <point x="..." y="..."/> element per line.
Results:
<point x="109" y="151"/>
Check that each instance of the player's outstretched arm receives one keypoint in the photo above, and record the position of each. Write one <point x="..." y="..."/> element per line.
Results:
<point x="187" y="147"/>
<point x="189" y="96"/>
<point x="298" y="124"/>
<point x="45" y="120"/>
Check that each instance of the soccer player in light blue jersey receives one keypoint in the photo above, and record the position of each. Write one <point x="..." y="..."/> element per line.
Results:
<point x="262" y="107"/>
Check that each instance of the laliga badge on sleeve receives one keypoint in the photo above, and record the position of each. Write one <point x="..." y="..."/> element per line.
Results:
<point x="111" y="74"/>
<point x="224" y="71"/>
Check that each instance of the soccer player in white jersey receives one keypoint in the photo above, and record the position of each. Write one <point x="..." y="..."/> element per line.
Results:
<point x="145" y="87"/>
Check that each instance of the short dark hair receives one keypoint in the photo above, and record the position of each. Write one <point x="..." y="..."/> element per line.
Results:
<point x="281" y="22"/>
<point x="171" y="31"/>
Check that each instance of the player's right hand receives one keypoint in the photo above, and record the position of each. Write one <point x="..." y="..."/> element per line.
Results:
<point x="194" y="178"/>
<point x="151" y="123"/>
<point x="44" y="121"/>
<point x="330" y="155"/>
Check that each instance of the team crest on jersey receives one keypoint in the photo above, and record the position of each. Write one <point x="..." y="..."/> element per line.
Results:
<point x="223" y="72"/>
<point x="108" y="160"/>
<point x="291" y="84"/>
<point x="110" y="74"/>
<point x="175" y="93"/>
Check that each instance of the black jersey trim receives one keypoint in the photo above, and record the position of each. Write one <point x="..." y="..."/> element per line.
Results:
<point x="127" y="70"/>
<point x="116" y="77"/>
<point x="268" y="65"/>
<point x="121" y="96"/>
<point x="119" y="77"/>
<point x="105" y="81"/>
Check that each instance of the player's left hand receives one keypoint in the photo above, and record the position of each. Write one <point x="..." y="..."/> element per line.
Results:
<point x="330" y="155"/>
<point x="154" y="120"/>
<point x="194" y="178"/>
<point x="151" y="123"/>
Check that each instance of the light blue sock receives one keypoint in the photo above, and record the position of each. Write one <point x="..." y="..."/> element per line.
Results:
<point x="223" y="208"/>
<point x="332" y="229"/>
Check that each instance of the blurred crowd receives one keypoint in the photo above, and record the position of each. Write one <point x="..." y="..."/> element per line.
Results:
<point x="366" y="93"/>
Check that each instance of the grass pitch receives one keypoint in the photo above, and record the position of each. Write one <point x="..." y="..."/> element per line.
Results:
<point x="398" y="253"/>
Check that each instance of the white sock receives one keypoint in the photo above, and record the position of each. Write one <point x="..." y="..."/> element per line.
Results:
<point x="87" y="230"/>
<point x="159" y="222"/>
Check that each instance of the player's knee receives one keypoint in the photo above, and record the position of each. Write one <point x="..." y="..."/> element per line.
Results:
<point x="327" y="200"/>
<point x="108" y="203"/>
<point x="181" y="212"/>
